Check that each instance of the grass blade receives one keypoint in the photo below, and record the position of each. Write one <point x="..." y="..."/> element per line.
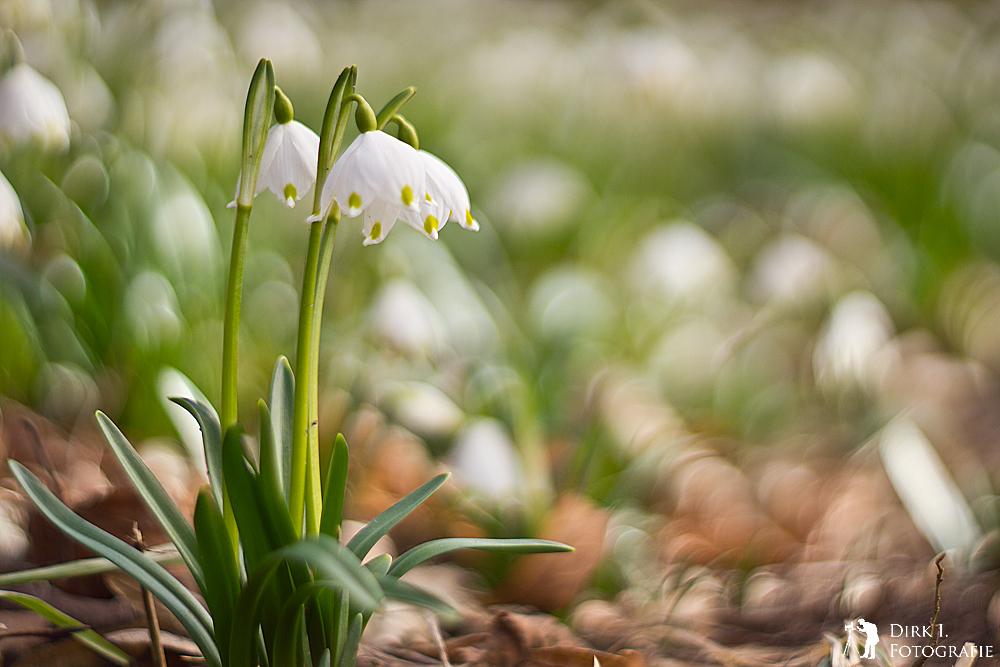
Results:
<point x="366" y="538"/>
<point x="282" y="405"/>
<point x="222" y="577"/>
<point x="428" y="550"/>
<point x="158" y="581"/>
<point x="165" y="554"/>
<point x="88" y="638"/>
<point x="211" y="433"/>
<point x="163" y="508"/>
<point x="334" y="488"/>
<point x="349" y="655"/>
<point x="398" y="590"/>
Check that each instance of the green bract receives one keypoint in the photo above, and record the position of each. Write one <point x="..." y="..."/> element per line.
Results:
<point x="265" y="534"/>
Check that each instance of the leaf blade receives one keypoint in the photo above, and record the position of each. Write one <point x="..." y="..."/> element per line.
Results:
<point x="163" y="508"/>
<point x="434" y="548"/>
<point x="366" y="538"/>
<point x="88" y="638"/>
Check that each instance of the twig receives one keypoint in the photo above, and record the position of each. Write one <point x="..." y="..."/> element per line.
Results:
<point x="155" y="640"/>
<point x="438" y="639"/>
<point x="935" y="631"/>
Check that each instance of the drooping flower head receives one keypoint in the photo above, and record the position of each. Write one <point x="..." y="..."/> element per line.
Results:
<point x="446" y="199"/>
<point x="32" y="108"/>
<point x="377" y="175"/>
<point x="288" y="162"/>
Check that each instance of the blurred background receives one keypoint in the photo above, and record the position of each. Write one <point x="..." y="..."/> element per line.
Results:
<point x="735" y="302"/>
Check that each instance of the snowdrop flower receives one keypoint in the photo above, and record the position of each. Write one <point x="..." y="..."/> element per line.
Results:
<point x="288" y="163"/>
<point x="377" y="175"/>
<point x="13" y="233"/>
<point x="31" y="107"/>
<point x="446" y="199"/>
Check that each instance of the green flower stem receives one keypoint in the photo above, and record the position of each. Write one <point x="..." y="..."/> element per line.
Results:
<point x="231" y="341"/>
<point x="314" y="490"/>
<point x="301" y="425"/>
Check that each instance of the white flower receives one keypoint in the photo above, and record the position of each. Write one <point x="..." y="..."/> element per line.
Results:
<point x="377" y="175"/>
<point x="446" y="199"/>
<point x="31" y="107"/>
<point x="288" y="163"/>
<point x="13" y="232"/>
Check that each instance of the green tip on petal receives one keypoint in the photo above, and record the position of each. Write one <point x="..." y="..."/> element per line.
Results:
<point x="354" y="201"/>
<point x="431" y="225"/>
<point x="427" y="196"/>
<point x="290" y="194"/>
<point x="376" y="231"/>
<point x="407" y="196"/>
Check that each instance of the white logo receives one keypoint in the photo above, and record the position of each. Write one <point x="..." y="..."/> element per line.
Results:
<point x="870" y="631"/>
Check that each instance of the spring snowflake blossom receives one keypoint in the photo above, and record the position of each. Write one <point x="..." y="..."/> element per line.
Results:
<point x="446" y="199"/>
<point x="32" y="108"/>
<point x="13" y="232"/>
<point x="288" y="163"/>
<point x="377" y="175"/>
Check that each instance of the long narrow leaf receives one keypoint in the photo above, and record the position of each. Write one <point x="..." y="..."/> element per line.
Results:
<point x="428" y="550"/>
<point x="349" y="656"/>
<point x="211" y="432"/>
<point x="242" y="491"/>
<point x="222" y="578"/>
<point x="334" y="488"/>
<point x="164" y="555"/>
<point x="88" y="638"/>
<point x="398" y="590"/>
<point x="275" y="505"/>
<point x="159" y="503"/>
<point x="157" y="580"/>
<point x="366" y="538"/>
<point x="328" y="558"/>
<point x="282" y="405"/>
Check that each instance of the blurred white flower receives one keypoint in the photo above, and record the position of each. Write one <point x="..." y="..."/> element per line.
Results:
<point x="13" y="232"/>
<point x="403" y="318"/>
<point x="847" y="353"/>
<point x="377" y="175"/>
<point x="446" y="200"/>
<point x="288" y="163"/>
<point x="793" y="269"/>
<point x="485" y="461"/>
<point x="31" y="107"/>
<point x="425" y="410"/>
<point x="540" y="198"/>
<point x="681" y="261"/>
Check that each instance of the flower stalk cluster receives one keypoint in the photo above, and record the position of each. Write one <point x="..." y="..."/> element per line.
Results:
<point x="264" y="551"/>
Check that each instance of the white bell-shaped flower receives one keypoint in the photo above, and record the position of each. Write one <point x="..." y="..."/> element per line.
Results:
<point x="377" y="175"/>
<point x="32" y="108"/>
<point x="13" y="232"/>
<point x="288" y="163"/>
<point x="446" y="199"/>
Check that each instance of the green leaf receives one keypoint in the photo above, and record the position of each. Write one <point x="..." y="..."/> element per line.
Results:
<point x="273" y="502"/>
<point x="165" y="554"/>
<point x="163" y="508"/>
<point x="366" y="538"/>
<point x="428" y="550"/>
<point x="157" y="580"/>
<point x="243" y="493"/>
<point x="398" y="590"/>
<point x="222" y="576"/>
<point x="282" y="404"/>
<point x="379" y="565"/>
<point x="328" y="558"/>
<point x="395" y="104"/>
<point x="211" y="432"/>
<point x="88" y="638"/>
<point x="334" y="488"/>
<point x="349" y="656"/>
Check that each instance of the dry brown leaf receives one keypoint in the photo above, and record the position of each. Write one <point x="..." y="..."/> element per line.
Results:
<point x="551" y="581"/>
